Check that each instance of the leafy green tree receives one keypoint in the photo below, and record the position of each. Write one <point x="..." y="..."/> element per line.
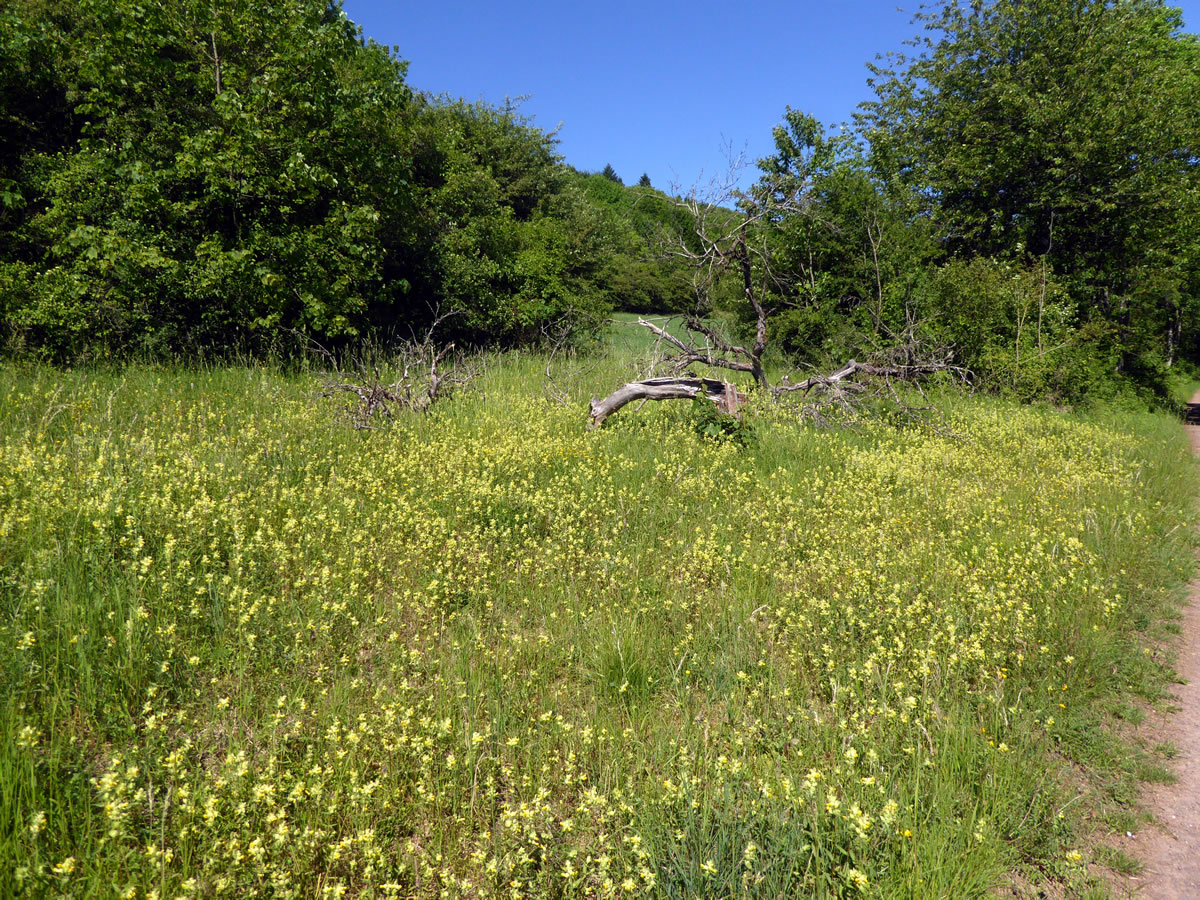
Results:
<point x="644" y="181"/>
<point x="238" y="170"/>
<point x="1013" y="326"/>
<point x="35" y="115"/>
<point x="847" y="262"/>
<point x="1059" y="129"/>
<point x="610" y="173"/>
<point x="511" y="244"/>
<point x="639" y="224"/>
<point x="36" y="123"/>
<point x="223" y="175"/>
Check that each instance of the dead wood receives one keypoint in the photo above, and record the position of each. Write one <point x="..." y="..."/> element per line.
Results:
<point x="420" y="372"/>
<point x="907" y="362"/>
<point x="726" y="397"/>
<point x="852" y="368"/>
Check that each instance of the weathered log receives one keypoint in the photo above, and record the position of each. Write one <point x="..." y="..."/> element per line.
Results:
<point x="724" y="395"/>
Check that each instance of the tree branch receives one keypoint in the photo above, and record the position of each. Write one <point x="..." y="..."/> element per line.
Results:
<point x="724" y="395"/>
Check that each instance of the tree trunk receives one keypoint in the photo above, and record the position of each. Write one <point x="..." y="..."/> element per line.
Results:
<point x="724" y="395"/>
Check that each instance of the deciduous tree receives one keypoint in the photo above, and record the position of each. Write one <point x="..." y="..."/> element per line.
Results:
<point x="1059" y="129"/>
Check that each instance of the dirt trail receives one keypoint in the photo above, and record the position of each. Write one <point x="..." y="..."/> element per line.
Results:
<point x="1172" y="853"/>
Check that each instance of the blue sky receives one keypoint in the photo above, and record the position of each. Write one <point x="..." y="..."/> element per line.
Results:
<point x="658" y="87"/>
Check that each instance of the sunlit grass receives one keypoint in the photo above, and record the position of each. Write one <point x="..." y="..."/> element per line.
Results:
<point x="488" y="652"/>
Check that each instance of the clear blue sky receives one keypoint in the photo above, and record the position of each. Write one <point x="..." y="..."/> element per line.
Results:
<point x="655" y="86"/>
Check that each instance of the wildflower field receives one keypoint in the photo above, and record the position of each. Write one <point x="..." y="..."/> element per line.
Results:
<point x="247" y="651"/>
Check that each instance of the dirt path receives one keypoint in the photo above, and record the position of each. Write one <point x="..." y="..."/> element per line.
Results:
<point x="1172" y="853"/>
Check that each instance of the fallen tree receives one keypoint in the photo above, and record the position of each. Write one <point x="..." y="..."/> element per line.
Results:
<point x="723" y="394"/>
<point x="739" y="245"/>
<point x="853" y="381"/>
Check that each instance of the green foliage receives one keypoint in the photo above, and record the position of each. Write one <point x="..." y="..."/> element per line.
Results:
<point x="1051" y="128"/>
<point x="638" y="226"/>
<point x="223" y="176"/>
<point x="511" y="242"/>
<point x="35" y="115"/>
<point x="1025" y="192"/>
<point x="217" y="193"/>
<point x="848" y="262"/>
<point x="1010" y="324"/>
<point x="611" y="174"/>
<point x="191" y="178"/>
<point x="710" y="422"/>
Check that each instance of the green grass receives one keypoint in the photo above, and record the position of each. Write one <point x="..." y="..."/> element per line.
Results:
<point x="1119" y="861"/>
<point x="488" y="652"/>
<point x="628" y="339"/>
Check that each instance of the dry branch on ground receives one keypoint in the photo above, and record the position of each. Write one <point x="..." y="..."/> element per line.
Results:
<point x="427" y="372"/>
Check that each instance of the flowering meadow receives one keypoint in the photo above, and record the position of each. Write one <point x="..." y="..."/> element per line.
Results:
<point x="249" y="652"/>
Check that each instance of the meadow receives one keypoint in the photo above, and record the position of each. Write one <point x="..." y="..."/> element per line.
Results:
<point x="247" y="651"/>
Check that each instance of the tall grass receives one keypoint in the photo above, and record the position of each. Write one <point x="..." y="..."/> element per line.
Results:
<point x="487" y="652"/>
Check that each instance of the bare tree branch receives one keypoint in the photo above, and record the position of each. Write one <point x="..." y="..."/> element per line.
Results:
<point x="688" y="354"/>
<point x="724" y="395"/>
<point x="852" y="368"/>
<point x="428" y="372"/>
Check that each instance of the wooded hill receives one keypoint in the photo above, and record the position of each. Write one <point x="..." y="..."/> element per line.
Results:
<point x="191" y="178"/>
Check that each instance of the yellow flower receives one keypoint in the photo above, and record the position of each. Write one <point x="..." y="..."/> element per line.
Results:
<point x="64" y="868"/>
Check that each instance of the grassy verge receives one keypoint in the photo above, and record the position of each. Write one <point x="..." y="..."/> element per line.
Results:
<point x="490" y="653"/>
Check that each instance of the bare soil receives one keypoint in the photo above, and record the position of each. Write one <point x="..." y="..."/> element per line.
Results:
<point x="1170" y="849"/>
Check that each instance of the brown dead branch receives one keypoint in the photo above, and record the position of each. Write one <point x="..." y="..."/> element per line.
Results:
<point x="852" y="368"/>
<point x="892" y="377"/>
<point x="419" y="373"/>
<point x="716" y="352"/>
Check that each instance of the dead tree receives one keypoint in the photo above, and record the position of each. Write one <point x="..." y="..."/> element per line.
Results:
<point x="738" y="243"/>
<point x="726" y="397"/>
<point x="845" y="387"/>
<point x="412" y="376"/>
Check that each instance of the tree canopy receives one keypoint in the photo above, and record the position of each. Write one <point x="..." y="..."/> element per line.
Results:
<point x="1025" y="188"/>
<point x="190" y="177"/>
<point x="1062" y="131"/>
